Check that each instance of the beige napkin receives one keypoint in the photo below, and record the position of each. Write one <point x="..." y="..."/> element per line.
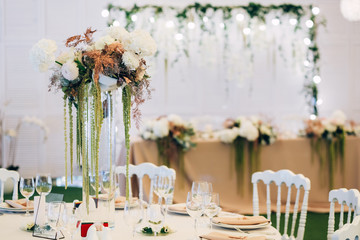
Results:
<point x="180" y="207"/>
<point x="243" y="220"/>
<point x="21" y="203"/>
<point x="223" y="236"/>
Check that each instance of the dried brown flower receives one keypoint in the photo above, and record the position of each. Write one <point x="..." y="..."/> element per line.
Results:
<point x="77" y="39"/>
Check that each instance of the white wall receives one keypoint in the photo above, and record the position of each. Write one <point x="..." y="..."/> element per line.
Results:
<point x="23" y="22"/>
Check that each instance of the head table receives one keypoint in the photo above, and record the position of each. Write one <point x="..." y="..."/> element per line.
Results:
<point x="182" y="225"/>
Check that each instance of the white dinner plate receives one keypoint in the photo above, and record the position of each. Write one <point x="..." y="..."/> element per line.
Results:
<point x="242" y="227"/>
<point x="7" y="208"/>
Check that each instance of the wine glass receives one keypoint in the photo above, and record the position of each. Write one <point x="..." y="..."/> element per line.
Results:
<point x="27" y="189"/>
<point x="164" y="188"/>
<point x="56" y="216"/>
<point x="212" y="207"/>
<point x="43" y="184"/>
<point x="133" y="214"/>
<point x="194" y="207"/>
<point x="155" y="217"/>
<point x="201" y="190"/>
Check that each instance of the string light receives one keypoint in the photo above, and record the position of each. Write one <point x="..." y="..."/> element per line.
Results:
<point x="179" y="36"/>
<point x="309" y="23"/>
<point x="152" y="19"/>
<point x="105" y="13"/>
<point x="116" y="23"/>
<point x="306" y="63"/>
<point x="205" y="19"/>
<point x="247" y="31"/>
<point x="170" y="24"/>
<point x="307" y="41"/>
<point x="319" y="102"/>
<point x="221" y="25"/>
<point x="317" y="79"/>
<point x="191" y="25"/>
<point x="262" y="27"/>
<point x="275" y="21"/>
<point x="240" y="17"/>
<point x="312" y="116"/>
<point x="293" y="21"/>
<point x="315" y="10"/>
<point x="134" y="18"/>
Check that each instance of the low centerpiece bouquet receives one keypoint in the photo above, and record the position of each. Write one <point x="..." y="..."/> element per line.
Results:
<point x="248" y="133"/>
<point x="173" y="137"/>
<point x="90" y="73"/>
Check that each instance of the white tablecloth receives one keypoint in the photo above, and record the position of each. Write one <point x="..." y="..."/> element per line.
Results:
<point x="10" y="228"/>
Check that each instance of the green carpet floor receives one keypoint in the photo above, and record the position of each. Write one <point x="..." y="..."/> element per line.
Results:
<point x="316" y="223"/>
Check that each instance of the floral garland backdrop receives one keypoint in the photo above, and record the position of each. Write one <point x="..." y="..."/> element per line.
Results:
<point x="230" y="38"/>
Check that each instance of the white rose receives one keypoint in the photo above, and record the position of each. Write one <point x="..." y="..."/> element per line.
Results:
<point x="249" y="131"/>
<point x="338" y="118"/>
<point x="175" y="119"/>
<point x="161" y="128"/>
<point x="42" y="54"/>
<point x="141" y="43"/>
<point x="70" y="70"/>
<point x="105" y="40"/>
<point x="66" y="56"/>
<point x="131" y="60"/>
<point x="118" y="33"/>
<point x="328" y="125"/>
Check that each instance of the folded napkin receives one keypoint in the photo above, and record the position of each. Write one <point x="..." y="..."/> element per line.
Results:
<point x="122" y="199"/>
<point x="241" y="220"/>
<point x="21" y="203"/>
<point x="98" y="232"/>
<point x="223" y="236"/>
<point x="180" y="207"/>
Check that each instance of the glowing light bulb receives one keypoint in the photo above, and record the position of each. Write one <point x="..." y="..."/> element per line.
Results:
<point x="312" y="116"/>
<point x="262" y="27"/>
<point x="179" y="36"/>
<point x="247" y="31"/>
<point x="317" y="79"/>
<point x="275" y="21"/>
<point x="319" y="101"/>
<point x="116" y="23"/>
<point x="307" y="41"/>
<point x="170" y="24"/>
<point x="221" y="25"/>
<point x="315" y="10"/>
<point x="240" y="17"/>
<point x="205" y="19"/>
<point x="293" y="21"/>
<point x="309" y="23"/>
<point x="191" y="25"/>
<point x="105" y="13"/>
<point x="152" y="19"/>
<point x="134" y="18"/>
<point x="306" y="63"/>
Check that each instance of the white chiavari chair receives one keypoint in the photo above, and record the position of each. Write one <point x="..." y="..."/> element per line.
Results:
<point x="288" y="178"/>
<point x="4" y="175"/>
<point x="350" y="231"/>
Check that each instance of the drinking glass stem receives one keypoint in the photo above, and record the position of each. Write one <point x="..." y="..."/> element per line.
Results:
<point x="133" y="233"/>
<point x="211" y="224"/>
<point x="27" y="206"/>
<point x="195" y="227"/>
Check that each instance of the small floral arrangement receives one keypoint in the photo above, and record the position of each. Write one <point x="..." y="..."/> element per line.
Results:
<point x="329" y="133"/>
<point x="173" y="138"/>
<point x="250" y="132"/>
<point x="88" y="69"/>
<point x="163" y="231"/>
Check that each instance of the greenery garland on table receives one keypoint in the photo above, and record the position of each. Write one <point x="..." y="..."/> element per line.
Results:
<point x="253" y="11"/>
<point x="248" y="134"/>
<point x="84" y="72"/>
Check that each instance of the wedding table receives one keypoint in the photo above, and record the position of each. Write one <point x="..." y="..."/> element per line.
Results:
<point x="213" y="161"/>
<point x="11" y="224"/>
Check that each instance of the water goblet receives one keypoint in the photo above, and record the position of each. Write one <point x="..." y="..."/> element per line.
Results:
<point x="155" y="217"/>
<point x="195" y="208"/>
<point x="133" y="214"/>
<point x="212" y="207"/>
<point x="43" y="184"/>
<point x="27" y="189"/>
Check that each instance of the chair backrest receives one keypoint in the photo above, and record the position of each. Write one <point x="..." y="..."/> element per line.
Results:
<point x="350" y="198"/>
<point x="349" y="231"/>
<point x="4" y="175"/>
<point x="143" y="169"/>
<point x="289" y="179"/>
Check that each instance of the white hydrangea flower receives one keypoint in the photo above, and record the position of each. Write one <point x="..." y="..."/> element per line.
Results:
<point x="69" y="70"/>
<point x="227" y="135"/>
<point x="265" y="130"/>
<point x="42" y="54"/>
<point x="357" y="130"/>
<point x="249" y="131"/>
<point x="105" y="40"/>
<point x="255" y="120"/>
<point x="175" y="119"/>
<point x="161" y="128"/>
<point x="141" y="43"/>
<point x="338" y="117"/>
<point x="119" y="33"/>
<point x="131" y="60"/>
<point x="328" y="125"/>
<point x="146" y="135"/>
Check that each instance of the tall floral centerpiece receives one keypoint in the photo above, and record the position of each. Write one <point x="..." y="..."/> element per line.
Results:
<point x="90" y="73"/>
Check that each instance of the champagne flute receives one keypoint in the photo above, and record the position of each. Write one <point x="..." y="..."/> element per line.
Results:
<point x="212" y="207"/>
<point x="56" y="216"/>
<point x="43" y="184"/>
<point x="195" y="208"/>
<point x="27" y="189"/>
<point x="133" y="214"/>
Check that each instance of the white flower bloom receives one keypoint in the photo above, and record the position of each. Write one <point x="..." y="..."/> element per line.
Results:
<point x="227" y="135"/>
<point x="42" y="54"/>
<point x="70" y="70"/>
<point x="175" y="119"/>
<point x="146" y="135"/>
<point x="357" y="130"/>
<point x="338" y="118"/>
<point x="241" y="119"/>
<point x="105" y="40"/>
<point x="161" y="128"/>
<point x="249" y="131"/>
<point x="255" y="120"/>
<point x="141" y="43"/>
<point x="131" y="60"/>
<point x="265" y="130"/>
<point x="66" y="56"/>
<point x="119" y="33"/>
<point x="328" y="125"/>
